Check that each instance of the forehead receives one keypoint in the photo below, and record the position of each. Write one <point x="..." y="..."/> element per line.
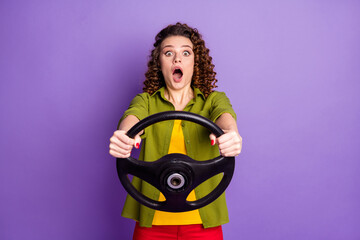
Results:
<point x="176" y="41"/>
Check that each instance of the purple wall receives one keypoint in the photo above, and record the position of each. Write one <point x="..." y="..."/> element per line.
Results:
<point x="68" y="70"/>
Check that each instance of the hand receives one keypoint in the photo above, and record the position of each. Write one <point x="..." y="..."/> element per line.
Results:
<point x="121" y="145"/>
<point x="230" y="143"/>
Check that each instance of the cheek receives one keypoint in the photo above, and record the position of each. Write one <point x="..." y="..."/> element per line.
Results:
<point x="192" y="61"/>
<point x="190" y="66"/>
<point x="161" y="61"/>
<point x="163" y="64"/>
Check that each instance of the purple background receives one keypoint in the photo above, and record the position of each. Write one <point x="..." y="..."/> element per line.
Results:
<point x="68" y="70"/>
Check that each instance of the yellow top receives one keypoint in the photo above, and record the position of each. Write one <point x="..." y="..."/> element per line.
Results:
<point x="177" y="145"/>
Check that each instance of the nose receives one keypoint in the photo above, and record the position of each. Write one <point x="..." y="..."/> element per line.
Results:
<point x="177" y="58"/>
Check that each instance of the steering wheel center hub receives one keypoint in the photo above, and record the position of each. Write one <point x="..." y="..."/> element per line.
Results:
<point x="176" y="181"/>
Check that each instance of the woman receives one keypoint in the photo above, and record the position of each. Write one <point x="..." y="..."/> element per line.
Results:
<point x="180" y="77"/>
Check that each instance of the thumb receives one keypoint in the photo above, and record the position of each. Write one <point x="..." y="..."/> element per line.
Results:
<point x="137" y="141"/>
<point x="212" y="139"/>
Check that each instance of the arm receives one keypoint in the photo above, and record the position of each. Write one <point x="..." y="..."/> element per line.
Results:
<point x="128" y="123"/>
<point x="230" y="143"/>
<point x="227" y="122"/>
<point x="120" y="144"/>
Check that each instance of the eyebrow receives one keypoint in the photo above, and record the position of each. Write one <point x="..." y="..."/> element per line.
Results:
<point x="173" y="46"/>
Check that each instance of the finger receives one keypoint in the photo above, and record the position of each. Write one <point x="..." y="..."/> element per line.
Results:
<point x="137" y="141"/>
<point x="116" y="141"/>
<point x="227" y="144"/>
<point x="228" y="140"/>
<point x="118" y="155"/>
<point x="119" y="150"/>
<point x="121" y="135"/>
<point x="231" y="152"/>
<point x="212" y="139"/>
<point x="230" y="144"/>
<point x="227" y="136"/>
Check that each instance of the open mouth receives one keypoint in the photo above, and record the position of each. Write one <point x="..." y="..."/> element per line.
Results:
<point x="177" y="74"/>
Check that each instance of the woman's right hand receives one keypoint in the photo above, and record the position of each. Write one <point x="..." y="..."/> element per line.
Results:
<point x="121" y="145"/>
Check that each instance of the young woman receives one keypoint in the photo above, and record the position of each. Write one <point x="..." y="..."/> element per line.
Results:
<point x="180" y="77"/>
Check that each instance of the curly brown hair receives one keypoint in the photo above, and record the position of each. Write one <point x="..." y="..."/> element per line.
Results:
<point x="203" y="75"/>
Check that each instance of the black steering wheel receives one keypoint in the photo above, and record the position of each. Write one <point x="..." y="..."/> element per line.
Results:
<point x="175" y="175"/>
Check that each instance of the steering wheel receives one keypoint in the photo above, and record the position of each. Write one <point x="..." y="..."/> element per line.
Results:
<point x="175" y="175"/>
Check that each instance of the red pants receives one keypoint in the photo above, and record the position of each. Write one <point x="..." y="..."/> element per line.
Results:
<point x="181" y="232"/>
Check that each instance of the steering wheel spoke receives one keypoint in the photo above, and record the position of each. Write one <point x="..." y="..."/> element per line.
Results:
<point x="140" y="169"/>
<point x="208" y="169"/>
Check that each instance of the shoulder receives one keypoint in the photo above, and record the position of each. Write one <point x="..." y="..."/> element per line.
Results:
<point x="219" y="103"/>
<point x="143" y="95"/>
<point x="141" y="98"/>
<point x="217" y="96"/>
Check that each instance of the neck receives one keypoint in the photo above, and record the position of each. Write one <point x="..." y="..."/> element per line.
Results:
<point x="179" y="98"/>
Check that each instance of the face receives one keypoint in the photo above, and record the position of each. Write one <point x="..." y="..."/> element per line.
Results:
<point x="177" y="62"/>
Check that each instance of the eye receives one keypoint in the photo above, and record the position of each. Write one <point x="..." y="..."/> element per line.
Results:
<point x="186" y="53"/>
<point x="168" y="53"/>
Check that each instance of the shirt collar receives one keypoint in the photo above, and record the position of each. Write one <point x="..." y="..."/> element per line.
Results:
<point x="161" y="91"/>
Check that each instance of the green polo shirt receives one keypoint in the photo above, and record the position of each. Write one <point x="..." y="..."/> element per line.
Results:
<point x="156" y="141"/>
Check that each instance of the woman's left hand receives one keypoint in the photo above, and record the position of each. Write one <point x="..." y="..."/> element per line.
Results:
<point x="230" y="143"/>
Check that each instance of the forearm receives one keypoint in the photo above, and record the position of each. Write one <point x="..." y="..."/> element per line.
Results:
<point x="230" y="143"/>
<point x="120" y="144"/>
<point x="128" y="122"/>
<point x="227" y="122"/>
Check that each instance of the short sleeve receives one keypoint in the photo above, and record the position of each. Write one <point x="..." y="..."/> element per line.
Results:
<point x="138" y="107"/>
<point x="220" y="104"/>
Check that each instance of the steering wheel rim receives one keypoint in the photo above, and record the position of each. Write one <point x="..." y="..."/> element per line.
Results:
<point x="194" y="171"/>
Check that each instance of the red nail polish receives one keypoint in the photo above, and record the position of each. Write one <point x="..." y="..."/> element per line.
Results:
<point x="137" y="145"/>
<point x="212" y="142"/>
